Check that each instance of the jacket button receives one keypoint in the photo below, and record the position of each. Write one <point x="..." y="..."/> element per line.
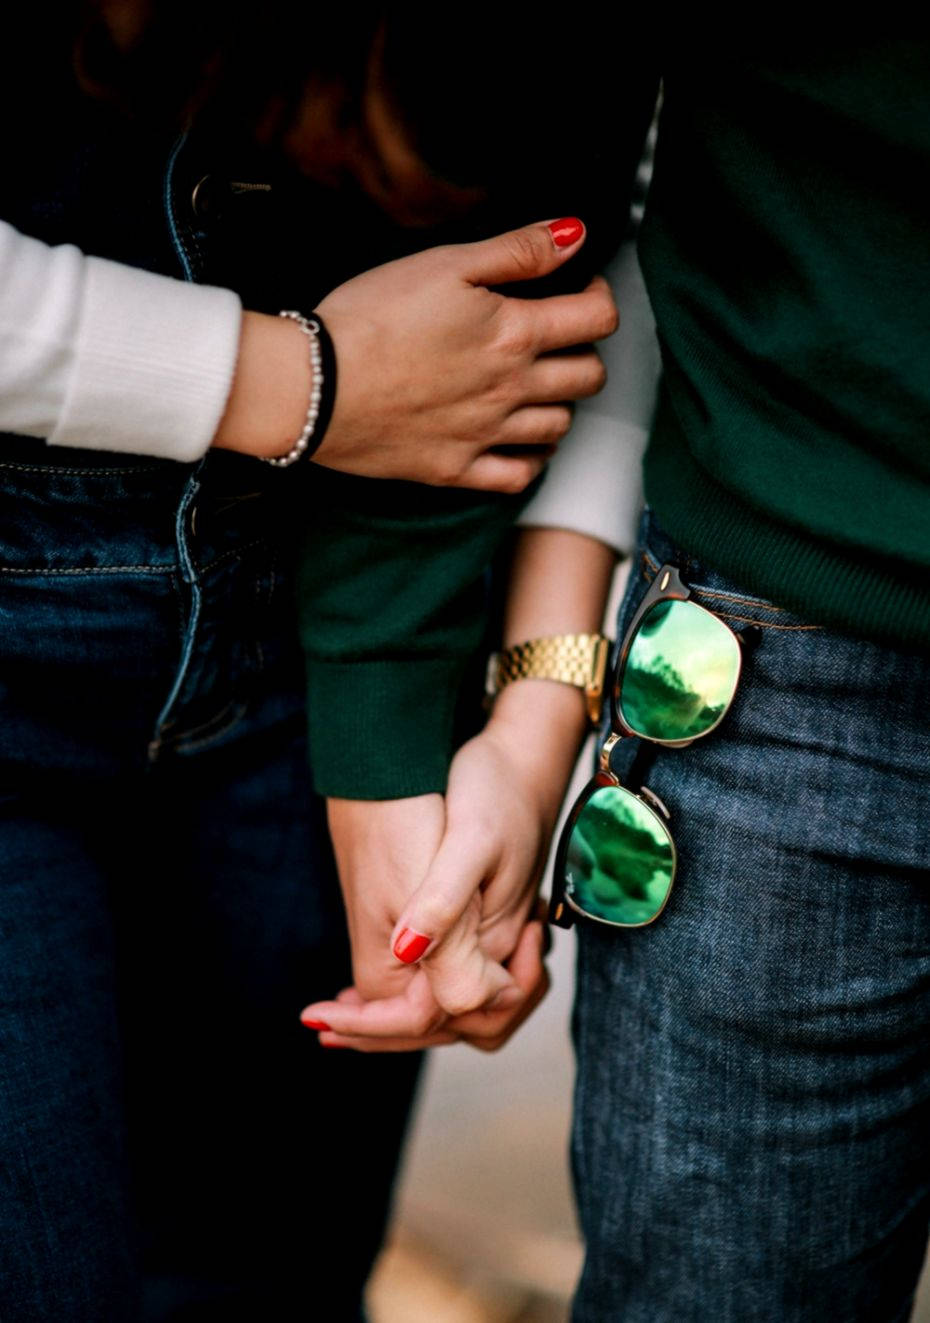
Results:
<point x="208" y="197"/>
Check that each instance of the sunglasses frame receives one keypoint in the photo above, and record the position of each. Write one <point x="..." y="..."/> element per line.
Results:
<point x="666" y="586"/>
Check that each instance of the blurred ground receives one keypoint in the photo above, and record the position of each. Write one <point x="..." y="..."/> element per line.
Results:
<point x="484" y="1227"/>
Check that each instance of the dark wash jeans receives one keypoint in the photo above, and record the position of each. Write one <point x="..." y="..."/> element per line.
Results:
<point x="752" y="1124"/>
<point x="173" y="1143"/>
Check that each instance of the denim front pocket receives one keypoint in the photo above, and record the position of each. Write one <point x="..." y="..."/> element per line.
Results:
<point x="91" y="603"/>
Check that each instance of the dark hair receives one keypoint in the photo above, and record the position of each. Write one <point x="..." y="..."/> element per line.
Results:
<point x="175" y="59"/>
<point x="471" y="96"/>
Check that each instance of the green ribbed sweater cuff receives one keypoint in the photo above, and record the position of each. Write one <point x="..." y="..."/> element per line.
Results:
<point x="382" y="729"/>
<point x="391" y="605"/>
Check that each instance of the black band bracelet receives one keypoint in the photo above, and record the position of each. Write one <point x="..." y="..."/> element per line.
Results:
<point x="322" y="390"/>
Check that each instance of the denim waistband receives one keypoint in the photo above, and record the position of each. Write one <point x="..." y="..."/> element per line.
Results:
<point x="66" y="511"/>
<point x="720" y="592"/>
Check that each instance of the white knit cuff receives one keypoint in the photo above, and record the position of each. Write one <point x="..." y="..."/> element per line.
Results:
<point x="594" y="482"/>
<point x="152" y="365"/>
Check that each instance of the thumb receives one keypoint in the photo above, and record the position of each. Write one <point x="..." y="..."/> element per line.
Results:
<point x="523" y="254"/>
<point x="442" y="922"/>
<point x="451" y="882"/>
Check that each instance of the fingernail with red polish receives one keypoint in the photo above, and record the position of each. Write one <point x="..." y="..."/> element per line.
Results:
<point x="410" y="945"/>
<point x="566" y="231"/>
<point x="315" y="1024"/>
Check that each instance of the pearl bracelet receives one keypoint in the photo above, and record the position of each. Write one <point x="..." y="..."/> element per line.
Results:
<point x="311" y="328"/>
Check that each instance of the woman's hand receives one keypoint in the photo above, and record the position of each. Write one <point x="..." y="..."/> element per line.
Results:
<point x="435" y="369"/>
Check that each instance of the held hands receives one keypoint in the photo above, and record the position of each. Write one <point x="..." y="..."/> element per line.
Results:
<point x="379" y="847"/>
<point x="453" y="886"/>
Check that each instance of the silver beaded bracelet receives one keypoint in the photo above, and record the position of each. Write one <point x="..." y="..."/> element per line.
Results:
<point x="311" y="329"/>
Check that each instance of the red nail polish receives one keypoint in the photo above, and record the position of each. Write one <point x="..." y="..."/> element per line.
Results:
<point x="410" y="945"/>
<point x="565" y="232"/>
<point x="315" y="1024"/>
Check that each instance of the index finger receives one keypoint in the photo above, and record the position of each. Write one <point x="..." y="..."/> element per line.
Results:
<point x="566" y="320"/>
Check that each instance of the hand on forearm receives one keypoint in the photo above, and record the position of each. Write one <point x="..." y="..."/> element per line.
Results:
<point x="434" y="369"/>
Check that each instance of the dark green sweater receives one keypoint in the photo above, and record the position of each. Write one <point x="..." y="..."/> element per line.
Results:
<point x="786" y="249"/>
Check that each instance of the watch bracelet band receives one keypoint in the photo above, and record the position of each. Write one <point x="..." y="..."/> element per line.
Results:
<point x="575" y="659"/>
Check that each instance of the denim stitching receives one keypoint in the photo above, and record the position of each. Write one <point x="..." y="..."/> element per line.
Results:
<point x="763" y="624"/>
<point x="89" y="569"/>
<point x="181" y="744"/>
<point x="740" y="601"/>
<point x="699" y="592"/>
<point x="174" y="230"/>
<point x="79" y="472"/>
<point x="192" y="621"/>
<point x="125" y="569"/>
<point x="649" y="567"/>
<point x="234" y="551"/>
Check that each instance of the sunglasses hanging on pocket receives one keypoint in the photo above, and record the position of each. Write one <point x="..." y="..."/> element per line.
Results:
<point x="675" y="678"/>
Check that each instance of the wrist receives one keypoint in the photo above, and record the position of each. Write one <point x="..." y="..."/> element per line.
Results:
<point x="541" y="725"/>
<point x="267" y="404"/>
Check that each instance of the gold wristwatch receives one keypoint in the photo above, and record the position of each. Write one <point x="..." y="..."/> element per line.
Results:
<point x="576" y="659"/>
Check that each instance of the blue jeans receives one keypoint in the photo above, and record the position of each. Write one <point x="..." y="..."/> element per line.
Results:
<point x="752" y="1121"/>
<point x="174" y="1145"/>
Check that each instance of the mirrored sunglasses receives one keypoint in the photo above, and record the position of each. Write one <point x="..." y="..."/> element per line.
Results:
<point x="676" y="676"/>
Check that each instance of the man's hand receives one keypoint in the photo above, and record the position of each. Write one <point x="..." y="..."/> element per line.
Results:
<point x="383" y="850"/>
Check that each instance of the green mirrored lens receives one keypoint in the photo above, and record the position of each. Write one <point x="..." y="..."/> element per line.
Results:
<point x="680" y="674"/>
<point x="620" y="860"/>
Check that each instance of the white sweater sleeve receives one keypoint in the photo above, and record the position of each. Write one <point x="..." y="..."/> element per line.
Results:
<point x="594" y="481"/>
<point x="98" y="355"/>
